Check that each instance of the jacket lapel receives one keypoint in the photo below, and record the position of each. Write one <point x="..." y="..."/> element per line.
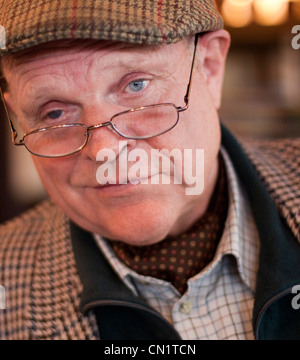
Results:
<point x="279" y="268"/>
<point x="278" y="166"/>
<point x="120" y="314"/>
<point x="56" y="287"/>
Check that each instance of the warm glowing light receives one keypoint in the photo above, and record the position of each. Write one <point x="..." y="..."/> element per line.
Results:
<point x="271" y="12"/>
<point x="237" y="13"/>
<point x="240" y="13"/>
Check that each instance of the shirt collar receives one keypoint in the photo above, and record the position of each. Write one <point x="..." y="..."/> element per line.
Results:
<point x="240" y="237"/>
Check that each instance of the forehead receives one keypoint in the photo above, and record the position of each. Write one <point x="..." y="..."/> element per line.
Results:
<point x="60" y="51"/>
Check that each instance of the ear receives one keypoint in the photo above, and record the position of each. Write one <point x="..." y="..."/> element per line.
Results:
<point x="213" y="49"/>
<point x="9" y="104"/>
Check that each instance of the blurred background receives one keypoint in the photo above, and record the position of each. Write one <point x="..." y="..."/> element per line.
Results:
<point x="261" y="91"/>
<point x="262" y="84"/>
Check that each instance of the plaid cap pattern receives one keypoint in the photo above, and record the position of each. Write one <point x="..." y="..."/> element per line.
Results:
<point x="38" y="268"/>
<point x="29" y="23"/>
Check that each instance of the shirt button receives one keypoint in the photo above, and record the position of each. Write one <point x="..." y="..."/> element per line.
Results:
<point x="185" y="307"/>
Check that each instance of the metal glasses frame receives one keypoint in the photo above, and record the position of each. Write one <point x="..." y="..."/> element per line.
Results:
<point x="88" y="129"/>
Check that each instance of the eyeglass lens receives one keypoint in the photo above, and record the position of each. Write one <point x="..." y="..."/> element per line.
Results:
<point x="139" y="124"/>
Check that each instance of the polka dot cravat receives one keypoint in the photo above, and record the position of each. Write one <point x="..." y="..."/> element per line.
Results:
<point x="177" y="259"/>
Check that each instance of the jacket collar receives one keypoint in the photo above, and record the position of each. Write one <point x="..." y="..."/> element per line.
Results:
<point x="279" y="261"/>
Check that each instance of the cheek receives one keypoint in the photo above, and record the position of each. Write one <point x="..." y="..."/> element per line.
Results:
<point x="54" y="174"/>
<point x="198" y="128"/>
<point x="199" y="131"/>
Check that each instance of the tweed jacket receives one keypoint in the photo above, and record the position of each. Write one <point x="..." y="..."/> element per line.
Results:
<point x="38" y="268"/>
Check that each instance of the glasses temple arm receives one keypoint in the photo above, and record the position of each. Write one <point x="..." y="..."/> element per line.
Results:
<point x="187" y="96"/>
<point x="13" y="130"/>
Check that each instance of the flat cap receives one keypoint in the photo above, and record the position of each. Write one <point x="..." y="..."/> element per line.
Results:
<point x="26" y="23"/>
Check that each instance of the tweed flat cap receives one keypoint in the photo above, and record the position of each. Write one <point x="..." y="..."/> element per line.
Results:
<point x="31" y="22"/>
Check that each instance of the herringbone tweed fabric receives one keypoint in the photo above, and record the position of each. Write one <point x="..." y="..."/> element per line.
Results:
<point x="32" y="22"/>
<point x="278" y="163"/>
<point x="38" y="268"/>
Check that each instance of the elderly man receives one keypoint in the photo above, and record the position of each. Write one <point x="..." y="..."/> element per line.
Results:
<point x="125" y="249"/>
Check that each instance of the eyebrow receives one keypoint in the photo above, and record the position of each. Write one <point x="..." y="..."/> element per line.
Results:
<point x="133" y="62"/>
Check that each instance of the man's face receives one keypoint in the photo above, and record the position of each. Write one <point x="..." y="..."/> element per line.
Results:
<point x="89" y="83"/>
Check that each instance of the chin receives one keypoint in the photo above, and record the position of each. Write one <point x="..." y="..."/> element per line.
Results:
<point x="138" y="219"/>
<point x="138" y="226"/>
<point x="147" y="232"/>
<point x="142" y="240"/>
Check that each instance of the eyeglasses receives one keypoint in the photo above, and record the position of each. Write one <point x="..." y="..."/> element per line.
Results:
<point x="140" y="123"/>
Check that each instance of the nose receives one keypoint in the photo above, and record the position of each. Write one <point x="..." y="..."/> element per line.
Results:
<point x="102" y="137"/>
<point x="99" y="126"/>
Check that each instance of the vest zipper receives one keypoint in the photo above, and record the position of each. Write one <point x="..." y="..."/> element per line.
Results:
<point x="97" y="303"/>
<point x="266" y="306"/>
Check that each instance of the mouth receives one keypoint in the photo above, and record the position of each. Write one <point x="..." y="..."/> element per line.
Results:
<point x="122" y="185"/>
<point x="143" y="179"/>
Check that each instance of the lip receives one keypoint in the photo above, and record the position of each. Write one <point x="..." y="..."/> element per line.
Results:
<point x="131" y="185"/>
<point x="126" y="186"/>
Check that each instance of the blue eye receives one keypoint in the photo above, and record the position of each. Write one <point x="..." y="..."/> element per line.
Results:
<point x="55" y="114"/>
<point x="137" y="85"/>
